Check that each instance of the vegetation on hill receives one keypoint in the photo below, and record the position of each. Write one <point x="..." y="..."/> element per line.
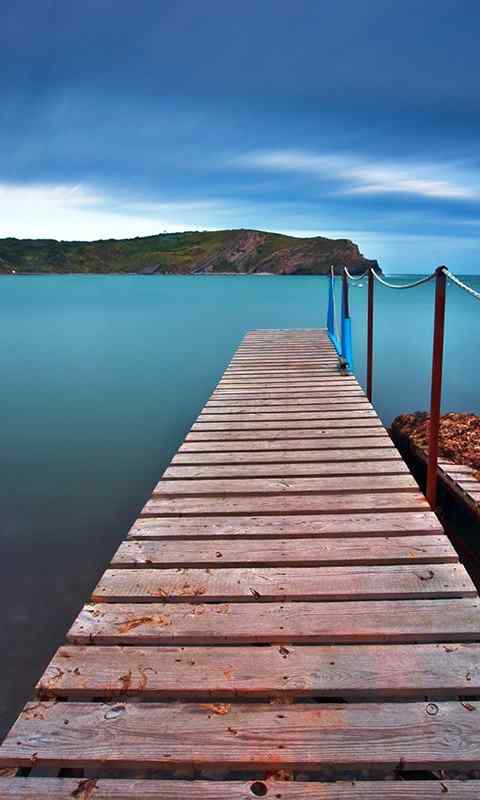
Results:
<point x="190" y="252"/>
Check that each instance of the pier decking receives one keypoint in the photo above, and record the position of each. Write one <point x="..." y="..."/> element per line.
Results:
<point x="286" y="606"/>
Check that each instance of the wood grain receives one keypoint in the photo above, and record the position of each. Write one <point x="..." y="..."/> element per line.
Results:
<point x="270" y="416"/>
<point x="290" y="459"/>
<point x="227" y="673"/>
<point x="285" y="471"/>
<point x="291" y="504"/>
<point x="348" y="443"/>
<point x="277" y="584"/>
<point x="231" y="487"/>
<point x="294" y="526"/>
<point x="165" y="735"/>
<point x="110" y="789"/>
<point x="220" y="552"/>
<point x="286" y="424"/>
<point x="369" y="622"/>
<point x="319" y="432"/>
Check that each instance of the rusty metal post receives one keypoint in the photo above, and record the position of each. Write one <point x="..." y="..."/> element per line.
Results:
<point x="436" y="389"/>
<point x="371" y="280"/>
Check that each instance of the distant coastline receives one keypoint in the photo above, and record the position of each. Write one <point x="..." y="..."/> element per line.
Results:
<point x="225" y="252"/>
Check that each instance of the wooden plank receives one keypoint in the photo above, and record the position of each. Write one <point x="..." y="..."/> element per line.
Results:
<point x="344" y="484"/>
<point x="324" y="401"/>
<point x="333" y="382"/>
<point x="294" y="406"/>
<point x="162" y="735"/>
<point x="111" y="789"/>
<point x="221" y="673"/>
<point x="294" y="526"/>
<point x="264" y="374"/>
<point x="285" y="583"/>
<point x="291" y="504"/>
<point x="450" y="467"/>
<point x="315" y="392"/>
<point x="286" y="470"/>
<point x="287" y="433"/>
<point x="435" y="549"/>
<point x="270" y="372"/>
<point x="369" y="622"/>
<point x="268" y="367"/>
<point x="279" y="396"/>
<point x="286" y="459"/>
<point x="287" y="424"/>
<point x="278" y="350"/>
<point x="348" y="443"/>
<point x="217" y="415"/>
<point x="300" y="360"/>
<point x="272" y="383"/>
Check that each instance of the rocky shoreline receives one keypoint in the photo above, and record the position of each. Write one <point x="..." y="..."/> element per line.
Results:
<point x="459" y="437"/>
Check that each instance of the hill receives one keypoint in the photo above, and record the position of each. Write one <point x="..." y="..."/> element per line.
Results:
<point x="232" y="251"/>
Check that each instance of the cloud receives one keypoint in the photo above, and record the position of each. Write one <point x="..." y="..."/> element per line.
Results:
<point x="79" y="211"/>
<point x="359" y="176"/>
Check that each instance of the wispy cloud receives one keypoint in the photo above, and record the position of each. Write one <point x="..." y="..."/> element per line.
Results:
<point x="358" y="176"/>
<point x="80" y="211"/>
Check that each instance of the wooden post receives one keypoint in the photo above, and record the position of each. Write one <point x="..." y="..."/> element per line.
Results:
<point x="436" y="389"/>
<point x="371" y="280"/>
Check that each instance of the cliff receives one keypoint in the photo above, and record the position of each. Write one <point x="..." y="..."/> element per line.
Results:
<point x="191" y="252"/>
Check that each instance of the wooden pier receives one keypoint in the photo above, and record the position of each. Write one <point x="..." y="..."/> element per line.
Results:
<point x="286" y="606"/>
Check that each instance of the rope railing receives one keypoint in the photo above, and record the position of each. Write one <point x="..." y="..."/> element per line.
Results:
<point x="355" y="277"/>
<point x="453" y="278"/>
<point x="344" y="346"/>
<point x="381" y="280"/>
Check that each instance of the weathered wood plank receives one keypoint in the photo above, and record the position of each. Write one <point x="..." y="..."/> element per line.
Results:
<point x="251" y="378"/>
<point x="435" y="549"/>
<point x="277" y="584"/>
<point x="231" y="487"/>
<point x="301" y="362"/>
<point x="298" y="367"/>
<point x="285" y="407"/>
<point x="288" y="394"/>
<point x="110" y="789"/>
<point x="450" y="467"/>
<point x="287" y="470"/>
<point x="282" y="434"/>
<point x="196" y="673"/>
<point x="347" y="443"/>
<point x="294" y="393"/>
<point x="291" y="504"/>
<point x="310" y="383"/>
<point x="237" y="375"/>
<point x="273" y="623"/>
<point x="290" y="459"/>
<point x="287" y="424"/>
<point x="236" y="414"/>
<point x="280" y="525"/>
<point x="163" y="735"/>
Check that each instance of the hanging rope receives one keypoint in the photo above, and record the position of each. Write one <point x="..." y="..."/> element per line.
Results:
<point x="403" y="285"/>
<point x="356" y="277"/>
<point x="457" y="282"/>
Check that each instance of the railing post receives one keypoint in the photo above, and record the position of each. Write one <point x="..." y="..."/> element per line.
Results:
<point x="371" y="281"/>
<point x="436" y="389"/>
<point x="331" y="307"/>
<point x="346" y="324"/>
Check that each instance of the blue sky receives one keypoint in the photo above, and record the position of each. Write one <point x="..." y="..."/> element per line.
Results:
<point x="347" y="119"/>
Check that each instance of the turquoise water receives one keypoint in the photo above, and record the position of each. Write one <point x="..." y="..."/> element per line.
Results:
<point x="102" y="377"/>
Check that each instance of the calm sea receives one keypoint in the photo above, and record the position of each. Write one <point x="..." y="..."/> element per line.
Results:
<point x="101" y="378"/>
